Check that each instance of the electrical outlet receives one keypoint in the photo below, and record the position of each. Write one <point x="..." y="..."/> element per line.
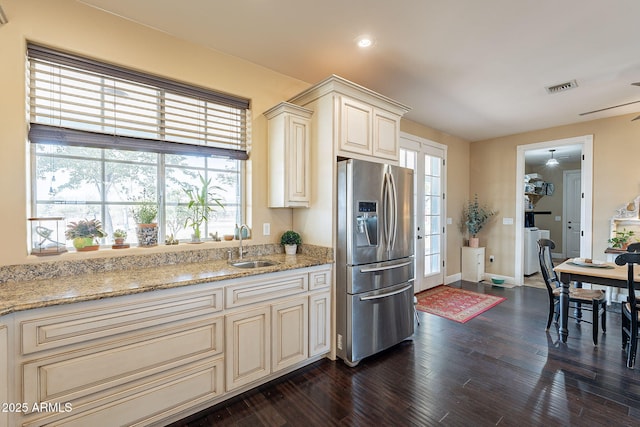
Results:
<point x="339" y="342"/>
<point x="491" y="258"/>
<point x="266" y="229"/>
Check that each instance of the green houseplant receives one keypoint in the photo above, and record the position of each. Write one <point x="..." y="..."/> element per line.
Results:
<point x="84" y="234"/>
<point x="474" y="218"/>
<point x="290" y="240"/>
<point x="119" y="236"/>
<point x="146" y="229"/>
<point x="622" y="239"/>
<point x="198" y="209"/>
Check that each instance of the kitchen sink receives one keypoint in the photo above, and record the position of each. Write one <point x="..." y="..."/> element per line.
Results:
<point x="253" y="264"/>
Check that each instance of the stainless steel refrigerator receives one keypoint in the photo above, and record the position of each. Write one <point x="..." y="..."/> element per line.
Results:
<point x="374" y="258"/>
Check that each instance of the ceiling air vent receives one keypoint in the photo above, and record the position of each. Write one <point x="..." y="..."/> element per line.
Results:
<point x="562" y="87"/>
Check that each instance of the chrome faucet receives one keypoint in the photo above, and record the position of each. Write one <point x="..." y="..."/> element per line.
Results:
<point x="242" y="252"/>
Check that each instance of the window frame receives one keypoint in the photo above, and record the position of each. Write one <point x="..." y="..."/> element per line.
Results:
<point x="40" y="134"/>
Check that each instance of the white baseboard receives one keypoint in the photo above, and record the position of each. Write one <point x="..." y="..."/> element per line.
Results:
<point x="453" y="278"/>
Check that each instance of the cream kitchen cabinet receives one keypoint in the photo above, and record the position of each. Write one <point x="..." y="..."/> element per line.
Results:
<point x="155" y="357"/>
<point x="319" y="323"/>
<point x="320" y="312"/>
<point x="289" y="168"/>
<point x="368" y="131"/>
<point x="472" y="264"/>
<point x="269" y="331"/>
<point x="352" y="121"/>
<point x="248" y="344"/>
<point x="289" y="332"/>
<point x="139" y="357"/>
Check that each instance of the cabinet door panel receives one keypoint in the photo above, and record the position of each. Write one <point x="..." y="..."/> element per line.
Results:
<point x="298" y="158"/>
<point x="319" y="323"/>
<point x="289" y="333"/>
<point x="355" y="126"/>
<point x="248" y="351"/>
<point x="386" y="135"/>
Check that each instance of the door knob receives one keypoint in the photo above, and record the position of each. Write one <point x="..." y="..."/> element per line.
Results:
<point x="418" y="237"/>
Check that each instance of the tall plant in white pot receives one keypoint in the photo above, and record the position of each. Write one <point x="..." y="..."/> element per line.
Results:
<point x="474" y="218"/>
<point x="290" y="240"/>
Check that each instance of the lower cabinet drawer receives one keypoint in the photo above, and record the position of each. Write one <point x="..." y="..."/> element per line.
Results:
<point x="147" y="403"/>
<point x="250" y="292"/>
<point x="56" y="327"/>
<point x="70" y="377"/>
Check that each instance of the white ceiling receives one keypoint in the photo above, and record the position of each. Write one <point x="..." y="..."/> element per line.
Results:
<point x="474" y="69"/>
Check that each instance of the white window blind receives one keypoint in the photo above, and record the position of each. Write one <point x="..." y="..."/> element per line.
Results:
<point x="80" y="102"/>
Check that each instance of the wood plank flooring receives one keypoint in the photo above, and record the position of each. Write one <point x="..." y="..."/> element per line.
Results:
<point x="500" y="368"/>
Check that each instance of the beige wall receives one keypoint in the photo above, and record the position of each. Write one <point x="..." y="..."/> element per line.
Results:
<point x="615" y="180"/>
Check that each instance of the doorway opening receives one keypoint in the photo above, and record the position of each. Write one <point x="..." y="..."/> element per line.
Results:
<point x="545" y="207"/>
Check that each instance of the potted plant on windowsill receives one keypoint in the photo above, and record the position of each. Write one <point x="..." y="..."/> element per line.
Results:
<point x="198" y="208"/>
<point x="84" y="233"/>
<point x="146" y="229"/>
<point x="474" y="218"/>
<point x="119" y="237"/>
<point x="290" y="240"/>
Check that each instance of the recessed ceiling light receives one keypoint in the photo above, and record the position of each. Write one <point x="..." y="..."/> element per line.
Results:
<point x="365" y="41"/>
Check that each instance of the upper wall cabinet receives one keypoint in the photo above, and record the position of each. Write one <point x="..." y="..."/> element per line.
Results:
<point x="289" y="170"/>
<point x="367" y="130"/>
<point x="364" y="124"/>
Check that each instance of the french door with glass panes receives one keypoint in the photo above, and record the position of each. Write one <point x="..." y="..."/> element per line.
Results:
<point x="428" y="160"/>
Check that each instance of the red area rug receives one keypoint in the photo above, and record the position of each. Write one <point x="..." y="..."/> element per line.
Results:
<point x="455" y="304"/>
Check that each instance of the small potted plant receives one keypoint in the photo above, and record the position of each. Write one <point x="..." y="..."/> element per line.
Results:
<point x="198" y="208"/>
<point x="474" y="217"/>
<point x="290" y="240"/>
<point x="119" y="236"/>
<point x="84" y="234"/>
<point x="622" y="239"/>
<point x="146" y="230"/>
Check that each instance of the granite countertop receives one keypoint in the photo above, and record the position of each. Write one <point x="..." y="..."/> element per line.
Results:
<point x="30" y="294"/>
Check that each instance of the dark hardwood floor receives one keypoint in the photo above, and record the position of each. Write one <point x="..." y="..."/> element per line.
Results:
<point x="500" y="368"/>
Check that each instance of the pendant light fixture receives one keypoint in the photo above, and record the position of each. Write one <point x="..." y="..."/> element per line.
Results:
<point x="552" y="162"/>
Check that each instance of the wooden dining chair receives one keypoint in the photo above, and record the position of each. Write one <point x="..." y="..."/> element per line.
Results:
<point x="593" y="300"/>
<point x="630" y="309"/>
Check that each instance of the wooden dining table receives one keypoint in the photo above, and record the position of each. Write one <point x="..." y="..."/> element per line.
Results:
<point x="609" y="274"/>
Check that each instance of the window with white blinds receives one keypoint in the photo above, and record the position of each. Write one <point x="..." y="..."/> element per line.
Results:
<point x="106" y="140"/>
<point x="81" y="102"/>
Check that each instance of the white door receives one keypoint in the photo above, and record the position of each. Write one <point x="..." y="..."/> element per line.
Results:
<point x="428" y="160"/>
<point x="572" y="199"/>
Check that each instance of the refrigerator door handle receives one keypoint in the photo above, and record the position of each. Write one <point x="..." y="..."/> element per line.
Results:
<point x="394" y="212"/>
<point x="385" y="295"/>
<point x="385" y="210"/>
<point x="386" y="267"/>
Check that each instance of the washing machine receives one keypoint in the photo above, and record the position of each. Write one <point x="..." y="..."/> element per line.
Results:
<point x="531" y="237"/>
